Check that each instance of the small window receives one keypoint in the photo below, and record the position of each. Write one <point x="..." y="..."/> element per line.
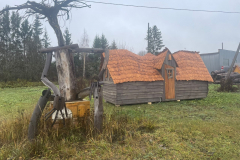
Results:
<point x="170" y="73"/>
<point x="169" y="57"/>
<point x="225" y="62"/>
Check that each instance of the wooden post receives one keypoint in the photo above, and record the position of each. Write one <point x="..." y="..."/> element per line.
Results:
<point x="233" y="62"/>
<point x="98" y="109"/>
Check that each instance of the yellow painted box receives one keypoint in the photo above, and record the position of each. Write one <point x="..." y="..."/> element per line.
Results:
<point x="78" y="108"/>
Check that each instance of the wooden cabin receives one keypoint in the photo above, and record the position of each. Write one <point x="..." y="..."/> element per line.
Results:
<point x="136" y="79"/>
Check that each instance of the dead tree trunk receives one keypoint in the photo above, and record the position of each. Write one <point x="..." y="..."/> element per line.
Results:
<point x="64" y="64"/>
<point x="98" y="109"/>
<point x="84" y="64"/>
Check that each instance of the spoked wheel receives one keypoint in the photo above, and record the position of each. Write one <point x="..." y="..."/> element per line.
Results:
<point x="35" y="119"/>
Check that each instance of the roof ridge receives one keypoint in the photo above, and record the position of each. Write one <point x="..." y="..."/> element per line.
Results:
<point x="187" y="51"/>
<point x="165" y="49"/>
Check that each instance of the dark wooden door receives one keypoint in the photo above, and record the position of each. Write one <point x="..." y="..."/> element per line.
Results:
<point x="169" y="82"/>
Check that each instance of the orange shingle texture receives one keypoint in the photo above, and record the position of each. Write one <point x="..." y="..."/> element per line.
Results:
<point x="125" y="66"/>
<point x="191" y="67"/>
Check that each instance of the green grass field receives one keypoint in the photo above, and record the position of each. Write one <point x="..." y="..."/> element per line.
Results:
<point x="192" y="129"/>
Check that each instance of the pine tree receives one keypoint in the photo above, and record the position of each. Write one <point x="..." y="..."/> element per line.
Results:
<point x="5" y="43"/>
<point x="67" y="37"/>
<point x="35" y="59"/>
<point x="26" y="35"/>
<point x="37" y="31"/>
<point x="16" y="63"/>
<point x="104" y="42"/>
<point x="113" y="45"/>
<point x="155" y="40"/>
<point x="97" y="42"/>
<point x="46" y="39"/>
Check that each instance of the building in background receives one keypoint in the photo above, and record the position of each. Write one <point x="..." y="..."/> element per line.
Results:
<point x="214" y="61"/>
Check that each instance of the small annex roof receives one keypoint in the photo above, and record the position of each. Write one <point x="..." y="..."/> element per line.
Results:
<point x="159" y="59"/>
<point x="125" y="66"/>
<point x="191" y="67"/>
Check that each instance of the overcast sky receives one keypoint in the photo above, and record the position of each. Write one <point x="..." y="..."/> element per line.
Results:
<point x="181" y="30"/>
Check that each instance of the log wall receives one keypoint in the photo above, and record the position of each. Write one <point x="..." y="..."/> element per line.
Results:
<point x="139" y="92"/>
<point x="191" y="89"/>
<point x="110" y="92"/>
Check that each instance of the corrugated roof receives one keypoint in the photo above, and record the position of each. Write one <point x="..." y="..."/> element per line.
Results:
<point x="125" y="66"/>
<point x="191" y="67"/>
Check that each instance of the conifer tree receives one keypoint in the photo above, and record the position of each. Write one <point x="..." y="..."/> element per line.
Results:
<point x="155" y="40"/>
<point x="113" y="45"/>
<point x="67" y="37"/>
<point x="97" y="42"/>
<point x="46" y="39"/>
<point x="37" y="31"/>
<point x="104" y="42"/>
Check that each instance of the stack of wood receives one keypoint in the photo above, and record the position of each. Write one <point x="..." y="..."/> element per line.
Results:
<point x="219" y="75"/>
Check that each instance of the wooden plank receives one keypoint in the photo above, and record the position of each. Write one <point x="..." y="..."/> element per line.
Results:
<point x="141" y="83"/>
<point x="52" y="49"/>
<point x="137" y="97"/>
<point x="194" y="89"/>
<point x="139" y="90"/>
<point x="89" y="50"/>
<point x="131" y="101"/>
<point x="141" y="93"/>
<point x="138" y="87"/>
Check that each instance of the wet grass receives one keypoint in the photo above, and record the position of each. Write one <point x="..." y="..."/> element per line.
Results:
<point x="192" y="129"/>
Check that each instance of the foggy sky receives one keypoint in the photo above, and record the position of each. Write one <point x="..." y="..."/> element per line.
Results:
<point x="181" y="30"/>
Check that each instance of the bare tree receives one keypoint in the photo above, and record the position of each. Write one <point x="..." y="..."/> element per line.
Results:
<point x="51" y="10"/>
<point x="84" y="43"/>
<point x="123" y="45"/>
<point x="142" y="53"/>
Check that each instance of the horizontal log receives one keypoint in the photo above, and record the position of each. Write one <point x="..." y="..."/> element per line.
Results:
<point x="191" y="85"/>
<point x="155" y="83"/>
<point x="52" y="49"/>
<point x="191" y="82"/>
<point x="191" y="88"/>
<point x="132" y="101"/>
<point x="90" y="50"/>
<point x="138" y="96"/>
<point x="183" y="92"/>
<point x="140" y="90"/>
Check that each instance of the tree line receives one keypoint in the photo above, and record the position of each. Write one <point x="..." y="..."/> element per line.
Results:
<point x="20" y="42"/>
<point x="19" y="45"/>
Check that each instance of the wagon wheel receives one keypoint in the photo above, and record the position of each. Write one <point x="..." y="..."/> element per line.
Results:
<point x="35" y="119"/>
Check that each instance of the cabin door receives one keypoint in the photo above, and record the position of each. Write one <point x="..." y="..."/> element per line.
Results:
<point x="169" y="82"/>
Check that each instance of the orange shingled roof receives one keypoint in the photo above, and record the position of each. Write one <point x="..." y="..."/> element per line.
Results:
<point x="191" y="67"/>
<point x="125" y="66"/>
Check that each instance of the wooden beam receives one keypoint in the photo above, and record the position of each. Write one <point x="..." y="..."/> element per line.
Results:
<point x="52" y="49"/>
<point x="89" y="50"/>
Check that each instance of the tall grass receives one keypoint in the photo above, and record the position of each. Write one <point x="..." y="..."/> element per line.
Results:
<point x="62" y="142"/>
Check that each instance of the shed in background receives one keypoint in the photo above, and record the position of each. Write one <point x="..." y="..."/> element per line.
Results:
<point x="214" y="61"/>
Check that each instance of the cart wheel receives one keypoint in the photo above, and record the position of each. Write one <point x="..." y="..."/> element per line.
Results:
<point x="33" y="125"/>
